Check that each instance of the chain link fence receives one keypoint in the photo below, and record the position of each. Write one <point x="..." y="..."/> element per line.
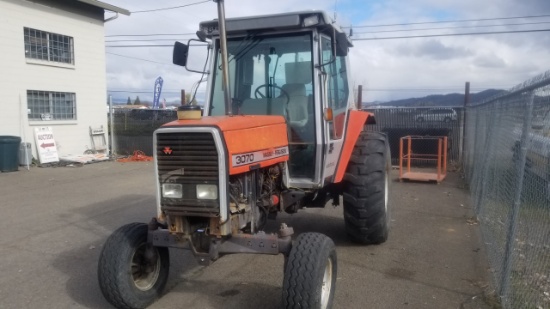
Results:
<point x="133" y="129"/>
<point x="507" y="166"/>
<point x="398" y="122"/>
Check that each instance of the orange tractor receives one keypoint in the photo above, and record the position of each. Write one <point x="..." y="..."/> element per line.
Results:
<point x="279" y="131"/>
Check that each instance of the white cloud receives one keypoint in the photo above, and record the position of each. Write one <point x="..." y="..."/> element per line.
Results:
<point x="444" y="63"/>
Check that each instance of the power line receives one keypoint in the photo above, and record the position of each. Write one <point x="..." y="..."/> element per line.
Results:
<point x="160" y="45"/>
<point x="449" y="21"/>
<point x="170" y="8"/>
<point x="365" y="32"/>
<point x="452" y="34"/>
<point x="153" y="34"/>
<point x="141" y="40"/>
<point x="136" y="89"/>
<point x="120" y="91"/>
<point x="130" y="57"/>
<point x="427" y="90"/>
<point x="459" y="27"/>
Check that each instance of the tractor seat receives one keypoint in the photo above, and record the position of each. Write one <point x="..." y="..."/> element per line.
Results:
<point x="297" y="105"/>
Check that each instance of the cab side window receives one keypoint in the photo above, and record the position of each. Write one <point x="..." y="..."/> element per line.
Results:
<point x="337" y="88"/>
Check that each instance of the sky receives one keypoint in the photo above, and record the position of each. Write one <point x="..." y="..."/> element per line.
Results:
<point x="388" y="69"/>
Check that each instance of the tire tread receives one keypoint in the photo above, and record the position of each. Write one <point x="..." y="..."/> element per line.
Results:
<point x="111" y="266"/>
<point x="305" y="264"/>
<point x="364" y="185"/>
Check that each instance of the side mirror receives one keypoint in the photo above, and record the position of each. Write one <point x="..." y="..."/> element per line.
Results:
<point x="342" y="44"/>
<point x="192" y="56"/>
<point x="180" y="53"/>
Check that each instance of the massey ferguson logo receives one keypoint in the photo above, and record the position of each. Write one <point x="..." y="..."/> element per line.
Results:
<point x="167" y="150"/>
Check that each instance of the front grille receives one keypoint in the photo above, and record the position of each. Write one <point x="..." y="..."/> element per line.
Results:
<point x="188" y="158"/>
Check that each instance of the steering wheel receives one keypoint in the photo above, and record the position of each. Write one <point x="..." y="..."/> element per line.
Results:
<point x="259" y="95"/>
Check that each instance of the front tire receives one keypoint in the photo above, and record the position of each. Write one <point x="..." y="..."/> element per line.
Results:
<point x="366" y="190"/>
<point x="128" y="278"/>
<point x="310" y="273"/>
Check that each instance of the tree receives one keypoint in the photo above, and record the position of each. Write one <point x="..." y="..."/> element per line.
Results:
<point x="188" y="99"/>
<point x="137" y="102"/>
<point x="129" y="101"/>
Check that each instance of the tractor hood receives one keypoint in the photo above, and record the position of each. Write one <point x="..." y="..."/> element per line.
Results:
<point x="231" y="123"/>
<point x="251" y="141"/>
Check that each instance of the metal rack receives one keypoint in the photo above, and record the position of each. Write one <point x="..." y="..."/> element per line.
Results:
<point x="426" y="174"/>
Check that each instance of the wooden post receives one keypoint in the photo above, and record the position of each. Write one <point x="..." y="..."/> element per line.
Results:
<point x="360" y="97"/>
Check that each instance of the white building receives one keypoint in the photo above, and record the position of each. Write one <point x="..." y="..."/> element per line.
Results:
<point x="52" y="70"/>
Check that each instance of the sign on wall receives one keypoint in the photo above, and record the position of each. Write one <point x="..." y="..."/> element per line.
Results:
<point x="45" y="145"/>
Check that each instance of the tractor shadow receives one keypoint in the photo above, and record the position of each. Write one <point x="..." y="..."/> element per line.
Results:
<point x="328" y="221"/>
<point x="96" y="222"/>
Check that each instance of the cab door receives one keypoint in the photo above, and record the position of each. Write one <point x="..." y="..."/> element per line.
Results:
<point x="335" y="97"/>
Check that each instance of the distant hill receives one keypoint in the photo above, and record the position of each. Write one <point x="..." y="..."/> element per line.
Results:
<point x="452" y="99"/>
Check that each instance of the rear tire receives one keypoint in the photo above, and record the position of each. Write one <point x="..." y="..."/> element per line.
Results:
<point x="366" y="190"/>
<point x="310" y="273"/>
<point x="126" y="278"/>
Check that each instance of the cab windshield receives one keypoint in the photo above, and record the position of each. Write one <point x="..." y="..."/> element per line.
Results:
<point x="272" y="75"/>
<point x="265" y="71"/>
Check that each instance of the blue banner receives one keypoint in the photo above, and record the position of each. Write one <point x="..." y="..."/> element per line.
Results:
<point x="158" y="89"/>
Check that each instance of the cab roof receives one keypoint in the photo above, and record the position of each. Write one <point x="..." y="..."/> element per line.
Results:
<point x="274" y="22"/>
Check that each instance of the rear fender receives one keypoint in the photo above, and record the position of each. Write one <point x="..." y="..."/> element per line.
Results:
<point x="356" y="121"/>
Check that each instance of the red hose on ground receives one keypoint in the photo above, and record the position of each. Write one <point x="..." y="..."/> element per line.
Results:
<point x="138" y="156"/>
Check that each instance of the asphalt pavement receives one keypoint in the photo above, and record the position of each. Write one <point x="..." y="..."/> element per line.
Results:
<point x="55" y="221"/>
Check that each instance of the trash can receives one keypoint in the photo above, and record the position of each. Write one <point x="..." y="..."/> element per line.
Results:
<point x="25" y="155"/>
<point x="9" y="150"/>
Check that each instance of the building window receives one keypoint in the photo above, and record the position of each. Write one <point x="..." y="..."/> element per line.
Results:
<point x="48" y="105"/>
<point x="48" y="46"/>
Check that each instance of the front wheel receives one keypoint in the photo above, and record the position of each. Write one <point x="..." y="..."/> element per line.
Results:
<point x="132" y="273"/>
<point x="310" y="273"/>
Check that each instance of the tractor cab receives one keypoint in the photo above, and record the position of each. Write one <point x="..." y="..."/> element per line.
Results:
<point x="293" y="65"/>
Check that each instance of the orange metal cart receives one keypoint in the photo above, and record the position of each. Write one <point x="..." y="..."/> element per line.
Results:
<point x="440" y="157"/>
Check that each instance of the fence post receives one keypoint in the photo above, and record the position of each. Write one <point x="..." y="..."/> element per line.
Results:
<point x="183" y="99"/>
<point x="476" y="155"/>
<point x="493" y="122"/>
<point x="462" y="125"/>
<point x="468" y="147"/>
<point x="513" y="220"/>
<point x="112" y="127"/>
<point x="359" y="97"/>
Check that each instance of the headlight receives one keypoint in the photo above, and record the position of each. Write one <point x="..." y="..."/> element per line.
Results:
<point x="172" y="190"/>
<point x="207" y="192"/>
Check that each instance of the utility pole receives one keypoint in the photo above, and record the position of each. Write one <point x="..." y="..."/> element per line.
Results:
<point x="183" y="102"/>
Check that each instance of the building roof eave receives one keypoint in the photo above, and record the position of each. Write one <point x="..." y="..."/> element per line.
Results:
<point x="106" y="6"/>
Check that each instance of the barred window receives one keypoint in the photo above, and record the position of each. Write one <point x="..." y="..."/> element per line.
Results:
<point x="48" y="46"/>
<point x="48" y="105"/>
